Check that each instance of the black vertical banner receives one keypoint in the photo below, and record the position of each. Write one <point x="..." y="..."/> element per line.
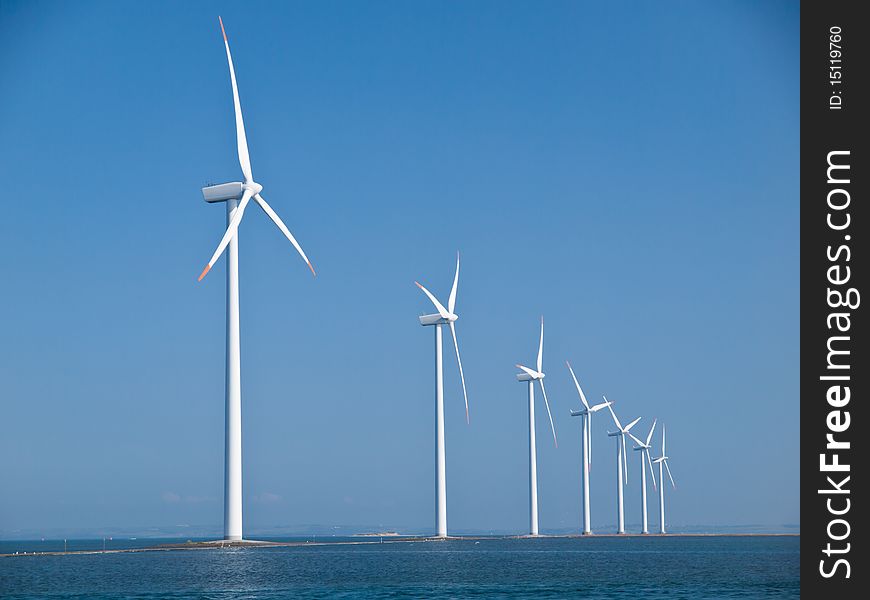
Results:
<point x="834" y="263"/>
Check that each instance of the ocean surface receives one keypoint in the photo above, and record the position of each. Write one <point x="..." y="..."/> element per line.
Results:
<point x="639" y="568"/>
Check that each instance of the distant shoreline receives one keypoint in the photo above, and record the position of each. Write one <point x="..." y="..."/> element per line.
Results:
<point x="392" y="538"/>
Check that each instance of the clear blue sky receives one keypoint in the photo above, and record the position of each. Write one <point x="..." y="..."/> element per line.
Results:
<point x="629" y="170"/>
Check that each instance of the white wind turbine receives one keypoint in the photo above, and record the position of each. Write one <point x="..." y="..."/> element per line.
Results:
<point x="444" y="316"/>
<point x="621" y="464"/>
<point x="533" y="376"/>
<point x="660" y="461"/>
<point x="236" y="195"/>
<point x="586" y="413"/>
<point x="645" y="460"/>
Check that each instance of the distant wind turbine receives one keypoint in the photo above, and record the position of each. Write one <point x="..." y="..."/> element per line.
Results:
<point x="236" y="195"/>
<point x="663" y="461"/>
<point x="586" y="446"/>
<point x="645" y="460"/>
<point x="444" y="316"/>
<point x="533" y="376"/>
<point x="621" y="464"/>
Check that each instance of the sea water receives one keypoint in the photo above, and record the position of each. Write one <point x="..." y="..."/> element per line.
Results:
<point x="587" y="567"/>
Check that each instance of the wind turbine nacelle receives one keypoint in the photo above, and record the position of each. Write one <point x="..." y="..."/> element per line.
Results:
<point x="524" y="377"/>
<point x="435" y="319"/>
<point x="222" y="192"/>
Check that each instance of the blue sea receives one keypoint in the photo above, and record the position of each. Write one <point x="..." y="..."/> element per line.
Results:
<point x="639" y="568"/>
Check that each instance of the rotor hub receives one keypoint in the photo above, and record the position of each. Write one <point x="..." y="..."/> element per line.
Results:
<point x="254" y="187"/>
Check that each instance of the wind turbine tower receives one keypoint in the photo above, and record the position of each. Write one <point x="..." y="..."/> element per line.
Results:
<point x="662" y="461"/>
<point x="645" y="460"/>
<point x="531" y="376"/>
<point x="621" y="465"/>
<point x="586" y="447"/>
<point x="444" y="316"/>
<point x="236" y="195"/>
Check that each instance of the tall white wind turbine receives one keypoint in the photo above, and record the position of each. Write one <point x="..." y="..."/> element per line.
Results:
<point x="645" y="461"/>
<point x="444" y="316"/>
<point x="237" y="195"/>
<point x="531" y="377"/>
<point x="586" y="446"/>
<point x="662" y="461"/>
<point x="621" y="464"/>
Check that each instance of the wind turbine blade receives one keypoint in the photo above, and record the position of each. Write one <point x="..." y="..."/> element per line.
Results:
<point x="579" y="389"/>
<point x="451" y="302"/>
<point x="528" y="371"/>
<point x="541" y="348"/>
<point x="624" y="459"/>
<point x="461" y="376"/>
<point x="440" y="307"/>
<point x="232" y="228"/>
<point x="589" y="436"/>
<point x="663" y="441"/>
<point x="241" y="139"/>
<point x="650" y="434"/>
<point x="671" y="477"/>
<point x="651" y="470"/>
<point x="636" y="441"/>
<point x="549" y="414"/>
<point x="613" y="414"/>
<point x="277" y="220"/>
<point x="598" y="407"/>
<point x="632" y="424"/>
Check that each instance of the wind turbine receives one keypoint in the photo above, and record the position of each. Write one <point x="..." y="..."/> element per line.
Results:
<point x="621" y="463"/>
<point x="645" y="460"/>
<point x="236" y="195"/>
<point x="586" y="413"/>
<point x="533" y="376"/>
<point x="663" y="460"/>
<point x="444" y="316"/>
